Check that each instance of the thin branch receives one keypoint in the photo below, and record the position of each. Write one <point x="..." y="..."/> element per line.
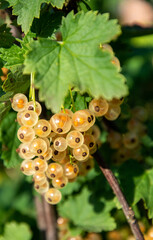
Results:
<point x="129" y="214"/>
<point x="50" y="217"/>
<point x="41" y="221"/>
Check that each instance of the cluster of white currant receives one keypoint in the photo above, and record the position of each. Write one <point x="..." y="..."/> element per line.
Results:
<point x="128" y="144"/>
<point x="64" y="232"/>
<point x="56" y="151"/>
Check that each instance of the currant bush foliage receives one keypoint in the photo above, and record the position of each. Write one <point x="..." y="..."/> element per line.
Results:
<point x="28" y="10"/>
<point x="90" y="217"/>
<point x="16" y="231"/>
<point x="10" y="156"/>
<point x="76" y="60"/>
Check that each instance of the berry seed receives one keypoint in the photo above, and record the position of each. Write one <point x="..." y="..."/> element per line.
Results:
<point x="45" y="128"/>
<point x="21" y="136"/>
<point x="84" y="154"/>
<point x="59" y="130"/>
<point x="30" y="108"/>
<point x="57" y="143"/>
<point x="39" y="151"/>
<point x="27" y="115"/>
<point x="97" y="108"/>
<point x="52" y="175"/>
<point x="77" y="140"/>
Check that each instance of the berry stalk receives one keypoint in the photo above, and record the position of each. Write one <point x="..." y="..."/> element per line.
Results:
<point x="128" y="212"/>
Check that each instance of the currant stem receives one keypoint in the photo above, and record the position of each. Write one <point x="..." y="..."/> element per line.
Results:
<point x="71" y="161"/>
<point x="32" y="90"/>
<point x="72" y="100"/>
<point x="128" y="212"/>
<point x="62" y="107"/>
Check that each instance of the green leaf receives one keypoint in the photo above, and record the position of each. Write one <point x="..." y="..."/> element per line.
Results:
<point x="4" y="4"/>
<point x="147" y="141"/>
<point x="80" y="210"/>
<point x="16" y="82"/>
<point x="13" y="56"/>
<point x="137" y="184"/>
<point x="6" y="38"/>
<point x="1" y="65"/>
<point x="24" y="204"/>
<point x="30" y="9"/>
<point x="75" y="187"/>
<point x="76" y="61"/>
<point x="74" y="231"/>
<point x="144" y="191"/>
<point x="80" y="101"/>
<point x="4" y="109"/>
<point x="9" y="129"/>
<point x="17" y="231"/>
<point x="46" y="24"/>
<point x="57" y="3"/>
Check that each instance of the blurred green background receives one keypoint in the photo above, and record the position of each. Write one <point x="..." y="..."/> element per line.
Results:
<point x="134" y="48"/>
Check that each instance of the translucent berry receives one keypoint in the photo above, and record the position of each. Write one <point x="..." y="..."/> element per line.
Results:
<point x="5" y="72"/>
<point x="29" y="118"/>
<point x="60" y="182"/>
<point x="81" y="120"/>
<point x="99" y="107"/>
<point x="71" y="170"/>
<point x="54" y="170"/>
<point x="94" y="236"/>
<point x="53" y="196"/>
<point x="115" y="139"/>
<point x="19" y="117"/>
<point x="74" y="139"/>
<point x="40" y="165"/>
<point x="47" y="155"/>
<point x="81" y="153"/>
<point x="65" y="160"/>
<point x="62" y="223"/>
<point x="86" y="166"/>
<point x="42" y="128"/>
<point x="38" y="146"/>
<point x="25" y="134"/>
<point x="96" y="146"/>
<point x="67" y="111"/>
<point x="27" y="167"/>
<point x="19" y="102"/>
<point x="150" y="232"/>
<point x="95" y="131"/>
<point x="89" y="141"/>
<point x="52" y="134"/>
<point x="116" y="101"/>
<point x="39" y="177"/>
<point x="121" y="155"/>
<point x="58" y="156"/>
<point x="41" y="188"/>
<point x="130" y="140"/>
<point x="75" y="238"/>
<point x="24" y="151"/>
<point x="31" y="106"/>
<point x="140" y="113"/>
<point x="92" y="117"/>
<point x="47" y="141"/>
<point x="136" y="126"/>
<point x="60" y="144"/>
<point x="113" y="112"/>
<point x="61" y="123"/>
<point x="142" y="227"/>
